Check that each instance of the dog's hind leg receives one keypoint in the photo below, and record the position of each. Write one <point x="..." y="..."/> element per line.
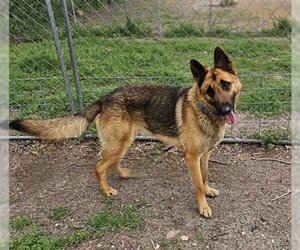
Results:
<point x="116" y="137"/>
<point x="125" y="172"/>
<point x="110" y="159"/>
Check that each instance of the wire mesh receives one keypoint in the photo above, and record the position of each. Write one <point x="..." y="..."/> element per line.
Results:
<point x="120" y="42"/>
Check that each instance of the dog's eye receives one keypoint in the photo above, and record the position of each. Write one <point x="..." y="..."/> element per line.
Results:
<point x="225" y="85"/>
<point x="210" y="92"/>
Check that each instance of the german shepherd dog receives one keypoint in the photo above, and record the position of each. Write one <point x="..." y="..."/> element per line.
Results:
<point x="190" y="118"/>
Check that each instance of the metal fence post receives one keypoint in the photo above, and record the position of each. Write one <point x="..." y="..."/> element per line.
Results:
<point x="126" y="10"/>
<point x="59" y="51"/>
<point x="72" y="53"/>
<point x="158" y="17"/>
<point x="260" y="109"/>
<point x="210" y="15"/>
<point x="74" y="12"/>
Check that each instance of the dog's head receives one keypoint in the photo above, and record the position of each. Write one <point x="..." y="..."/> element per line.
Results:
<point x="218" y="86"/>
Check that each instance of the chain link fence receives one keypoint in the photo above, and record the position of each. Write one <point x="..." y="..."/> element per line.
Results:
<point x="99" y="45"/>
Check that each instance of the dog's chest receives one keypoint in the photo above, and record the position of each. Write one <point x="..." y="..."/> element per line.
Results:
<point x="219" y="135"/>
<point x="213" y="136"/>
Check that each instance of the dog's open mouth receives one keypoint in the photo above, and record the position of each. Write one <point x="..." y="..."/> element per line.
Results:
<point x="230" y="118"/>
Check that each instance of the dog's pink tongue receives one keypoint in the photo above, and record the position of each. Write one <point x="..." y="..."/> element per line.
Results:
<point x="230" y="118"/>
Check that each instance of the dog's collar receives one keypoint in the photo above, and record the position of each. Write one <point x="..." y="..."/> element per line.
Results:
<point x="207" y="111"/>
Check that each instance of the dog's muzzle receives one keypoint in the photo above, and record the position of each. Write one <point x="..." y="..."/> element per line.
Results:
<point x="225" y="109"/>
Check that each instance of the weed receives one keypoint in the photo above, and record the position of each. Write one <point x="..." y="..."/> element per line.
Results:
<point x="170" y="244"/>
<point x="109" y="200"/>
<point x="129" y="217"/>
<point x="185" y="30"/>
<point x="200" y="237"/>
<point x="20" y="222"/>
<point x="76" y="238"/>
<point x="272" y="136"/>
<point x="281" y="27"/>
<point x="270" y="146"/>
<point x="227" y="3"/>
<point x="36" y="239"/>
<point x="132" y="28"/>
<point x="98" y="234"/>
<point x="141" y="203"/>
<point x="59" y="213"/>
<point x="13" y="200"/>
<point x="223" y="33"/>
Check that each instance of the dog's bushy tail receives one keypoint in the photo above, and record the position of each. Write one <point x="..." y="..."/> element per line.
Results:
<point x="58" y="128"/>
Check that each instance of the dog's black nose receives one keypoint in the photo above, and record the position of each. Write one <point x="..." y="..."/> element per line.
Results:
<point x="225" y="109"/>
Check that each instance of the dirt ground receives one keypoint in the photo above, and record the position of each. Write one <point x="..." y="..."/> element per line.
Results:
<point x="252" y="211"/>
<point x="244" y="15"/>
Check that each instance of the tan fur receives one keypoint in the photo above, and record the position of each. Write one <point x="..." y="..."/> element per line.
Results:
<point x="57" y="128"/>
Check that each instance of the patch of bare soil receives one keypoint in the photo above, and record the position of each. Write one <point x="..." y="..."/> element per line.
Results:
<point x="248" y="214"/>
<point x="249" y="15"/>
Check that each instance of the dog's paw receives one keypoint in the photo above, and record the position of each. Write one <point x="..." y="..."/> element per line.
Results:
<point x="211" y="192"/>
<point x="205" y="211"/>
<point x="110" y="192"/>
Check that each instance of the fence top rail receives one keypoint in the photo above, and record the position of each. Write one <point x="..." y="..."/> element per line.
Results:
<point x="151" y="138"/>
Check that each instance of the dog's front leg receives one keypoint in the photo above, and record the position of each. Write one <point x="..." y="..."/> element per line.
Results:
<point x="211" y="192"/>
<point x="193" y="161"/>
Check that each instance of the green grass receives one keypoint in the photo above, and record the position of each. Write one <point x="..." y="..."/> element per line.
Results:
<point x="59" y="213"/>
<point x="13" y="200"/>
<point x="35" y="239"/>
<point x="272" y="136"/>
<point x="108" y="200"/>
<point x="76" y="238"/>
<point x="263" y="65"/>
<point x="130" y="28"/>
<point x="20" y="222"/>
<point x="169" y="244"/>
<point x="185" y="30"/>
<point x="128" y="218"/>
<point x="200" y="237"/>
<point x="281" y="28"/>
<point x="107" y="220"/>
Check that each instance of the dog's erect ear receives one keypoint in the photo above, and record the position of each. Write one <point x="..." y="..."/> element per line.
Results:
<point x="198" y="71"/>
<point x="222" y="61"/>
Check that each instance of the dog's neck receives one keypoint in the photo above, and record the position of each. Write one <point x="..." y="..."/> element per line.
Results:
<point x="202" y="104"/>
<point x="207" y="111"/>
